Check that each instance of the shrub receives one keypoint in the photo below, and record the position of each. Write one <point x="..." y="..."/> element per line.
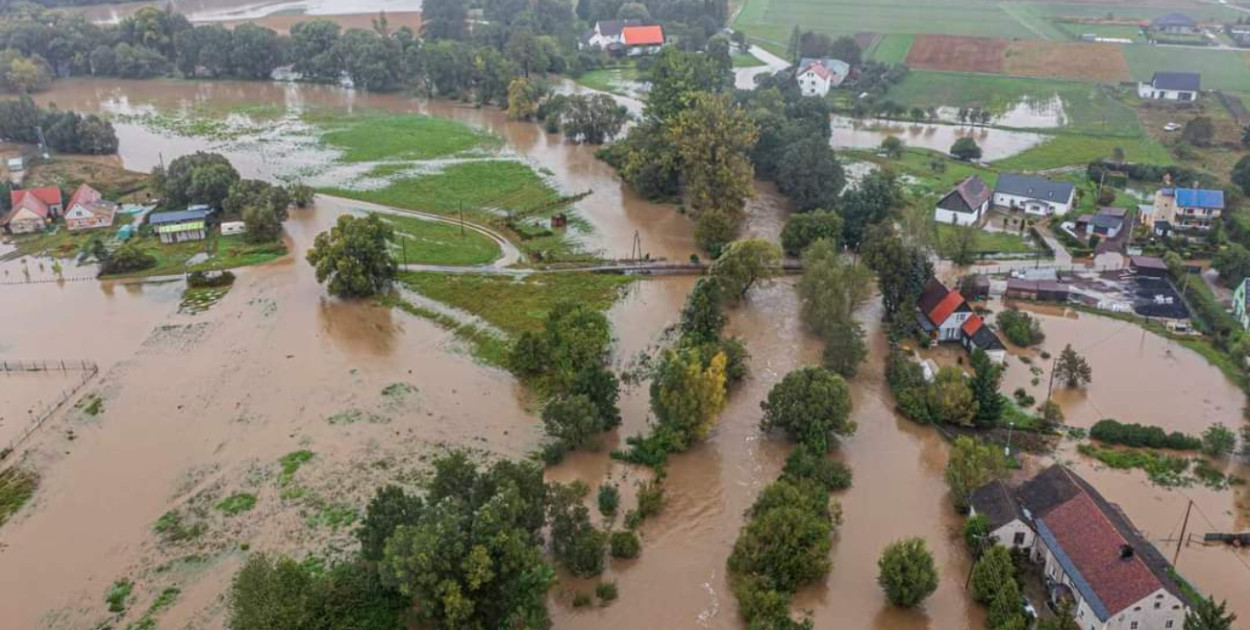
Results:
<point x="1023" y="398"/>
<point x="805" y="464"/>
<point x="906" y="572"/>
<point x="1020" y="328"/>
<point x="606" y="592"/>
<point x="1110" y="431"/>
<point x="118" y="593"/>
<point x="651" y="497"/>
<point x="624" y="545"/>
<point x="976" y="528"/>
<point x="201" y="280"/>
<point x="1218" y="440"/>
<point x="609" y="499"/>
<point x="581" y="600"/>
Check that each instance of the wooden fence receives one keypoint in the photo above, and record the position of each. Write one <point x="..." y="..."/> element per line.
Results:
<point x="85" y="371"/>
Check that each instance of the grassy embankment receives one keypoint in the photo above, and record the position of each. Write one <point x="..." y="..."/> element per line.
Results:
<point x="502" y="193"/>
<point x="512" y="305"/>
<point x="431" y="243"/>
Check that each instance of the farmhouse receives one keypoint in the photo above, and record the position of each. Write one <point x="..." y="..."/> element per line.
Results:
<point x="47" y="196"/>
<point x="1089" y="552"/>
<point x="181" y="225"/>
<point x="642" y="40"/>
<point x="1174" y="24"/>
<point x="946" y="316"/>
<point x="87" y="209"/>
<point x="817" y="76"/>
<point x="26" y="216"/>
<point x="606" y="33"/>
<point x="1034" y="195"/>
<point x="1172" y="86"/>
<point x="965" y="204"/>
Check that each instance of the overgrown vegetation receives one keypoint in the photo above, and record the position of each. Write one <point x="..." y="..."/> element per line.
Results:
<point x="1111" y="432"/>
<point x="17" y="485"/>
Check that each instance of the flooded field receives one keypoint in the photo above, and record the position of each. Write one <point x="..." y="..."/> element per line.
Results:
<point x="996" y="144"/>
<point x="225" y="10"/>
<point x="1027" y="113"/>
<point x="287" y="149"/>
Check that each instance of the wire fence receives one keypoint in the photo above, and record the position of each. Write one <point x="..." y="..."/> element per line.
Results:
<point x="84" y="371"/>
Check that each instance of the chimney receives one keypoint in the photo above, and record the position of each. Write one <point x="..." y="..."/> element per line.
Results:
<point x="1126" y="552"/>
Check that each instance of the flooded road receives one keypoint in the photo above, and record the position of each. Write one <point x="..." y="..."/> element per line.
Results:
<point x="996" y="144"/>
<point x="615" y="211"/>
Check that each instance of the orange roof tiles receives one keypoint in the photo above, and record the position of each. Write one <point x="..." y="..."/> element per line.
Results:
<point x="643" y="35"/>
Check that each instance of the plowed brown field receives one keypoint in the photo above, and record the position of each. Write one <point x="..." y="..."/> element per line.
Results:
<point x="960" y="54"/>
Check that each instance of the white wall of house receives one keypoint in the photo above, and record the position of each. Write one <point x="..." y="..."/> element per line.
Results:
<point x="1014" y="534"/>
<point x="951" y="217"/>
<point x="80" y="218"/>
<point x="1147" y="90"/>
<point x="25" y="222"/>
<point x="812" y="84"/>
<point x="950" y="330"/>
<point x="1033" y="206"/>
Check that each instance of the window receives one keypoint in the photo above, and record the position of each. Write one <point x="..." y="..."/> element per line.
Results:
<point x="1168" y="624"/>
<point x="1132" y="626"/>
<point x="1018" y="539"/>
<point x="1158" y="605"/>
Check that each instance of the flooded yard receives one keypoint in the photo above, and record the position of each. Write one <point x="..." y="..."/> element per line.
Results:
<point x="996" y="144"/>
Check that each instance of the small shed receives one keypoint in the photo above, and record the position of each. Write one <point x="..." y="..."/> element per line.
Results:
<point x="230" y="228"/>
<point x="1148" y="266"/>
<point x="1018" y="289"/>
<point x="1050" y="291"/>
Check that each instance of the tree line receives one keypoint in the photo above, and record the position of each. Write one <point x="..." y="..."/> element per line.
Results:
<point x="64" y="131"/>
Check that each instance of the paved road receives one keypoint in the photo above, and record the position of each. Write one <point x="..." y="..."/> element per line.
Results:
<point x="744" y="78"/>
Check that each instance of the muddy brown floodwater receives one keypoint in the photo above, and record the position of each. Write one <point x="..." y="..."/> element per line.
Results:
<point x="615" y="211"/>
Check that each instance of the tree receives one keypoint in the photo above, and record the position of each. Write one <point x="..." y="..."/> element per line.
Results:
<point x="907" y="573"/>
<point x="354" y="256"/>
<point x="687" y="396"/>
<point x="1218" y="440"/>
<point x="812" y="405"/>
<point x="802" y="230"/>
<point x="961" y="247"/>
<point x="950" y="399"/>
<point x="902" y="272"/>
<point x="271" y="594"/>
<point x="1198" y="131"/>
<point x="389" y="508"/>
<point x="744" y="263"/>
<point x="370" y="60"/>
<point x="126" y="259"/>
<point x="810" y="175"/>
<point x="1020" y="328"/>
<point x="713" y="139"/>
<point x="197" y="178"/>
<point x="473" y="558"/>
<point x="609" y="499"/>
<point x="601" y="387"/>
<point x="575" y="542"/>
<point x="1241" y="173"/>
<point x="846" y="49"/>
<point x="985" y="380"/>
<point x="1072" y="369"/>
<point x="255" y="51"/>
<point x="1005" y="609"/>
<point x="1207" y="615"/>
<point x="443" y="19"/>
<point x="892" y="147"/>
<point x="869" y="205"/>
<point x="1233" y="263"/>
<point x="592" y="119"/>
<point x="990" y="572"/>
<point x="314" y="52"/>
<point x="976" y="534"/>
<point x="572" y="420"/>
<point x="831" y="290"/>
<point x="784" y="541"/>
<point x="703" y="316"/>
<point x="966" y="149"/>
<point x="972" y="464"/>
<point x="263" y="224"/>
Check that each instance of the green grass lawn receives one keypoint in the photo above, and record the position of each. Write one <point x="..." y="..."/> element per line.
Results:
<point x="891" y="48"/>
<point x="478" y="186"/>
<point x="1071" y="149"/>
<point x="62" y="243"/>
<point x="746" y="60"/>
<point x="1074" y="31"/>
<point x="613" y="80"/>
<point x="917" y="164"/>
<point x="774" y="19"/>
<point x="231" y="252"/>
<point x="372" y="137"/>
<point x="986" y="242"/>
<point x="418" y="241"/>
<point x="1221" y="70"/>
<point x="1087" y="107"/>
<point x="1131" y="11"/>
<point x="517" y="305"/>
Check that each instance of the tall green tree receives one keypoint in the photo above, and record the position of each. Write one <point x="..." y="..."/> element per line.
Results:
<point x="713" y="139"/>
<point x="1208" y="615"/>
<point x="687" y="396"/>
<point x="906" y="572"/>
<point x="743" y="264"/>
<point x="986" y="377"/>
<point x="831" y="290"/>
<point x="1072" y="369"/>
<point x="810" y="175"/>
<point x="990" y="572"/>
<point x="972" y="464"/>
<point x="1241" y="171"/>
<point x="354" y="256"/>
<point x="444" y="19"/>
<point x="902" y="271"/>
<point x="812" y="405"/>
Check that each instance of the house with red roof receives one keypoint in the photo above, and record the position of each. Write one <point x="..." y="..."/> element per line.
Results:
<point x="1090" y="553"/>
<point x="88" y="209"/>
<point x="945" y="315"/>
<point x="817" y="76"/>
<point x="31" y="209"/>
<point x="642" y="40"/>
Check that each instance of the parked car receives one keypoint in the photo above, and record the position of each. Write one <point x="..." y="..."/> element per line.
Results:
<point x="1029" y="611"/>
<point x="1171" y="127"/>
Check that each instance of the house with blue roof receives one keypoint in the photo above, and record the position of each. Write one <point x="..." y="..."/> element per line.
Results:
<point x="1188" y="209"/>
<point x="180" y="225"/>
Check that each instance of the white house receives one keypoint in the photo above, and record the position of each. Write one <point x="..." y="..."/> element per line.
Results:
<point x="605" y="33"/>
<point x="965" y="204"/>
<point x="642" y="40"/>
<point x="1172" y="86"/>
<point x="1034" y="195"/>
<point x="87" y="209"/>
<point x="26" y="216"/>
<point x="1088" y="550"/>
<point x="946" y="316"/>
<point x="817" y="76"/>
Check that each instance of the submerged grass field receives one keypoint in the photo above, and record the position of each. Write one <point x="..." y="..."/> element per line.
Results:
<point x="616" y="80"/>
<point x="1087" y="107"/>
<point x="419" y="241"/>
<point x="517" y="305"/>
<point x="374" y="137"/>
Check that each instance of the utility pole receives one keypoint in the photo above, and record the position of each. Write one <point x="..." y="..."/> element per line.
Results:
<point x="1181" y="540"/>
<point x="1051" y="387"/>
<point x="403" y="242"/>
<point x="461" y="219"/>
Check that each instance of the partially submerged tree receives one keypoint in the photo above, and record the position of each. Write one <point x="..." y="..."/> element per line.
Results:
<point x="907" y="573"/>
<point x="972" y="464"/>
<point x="812" y="405"/>
<point x="744" y="263"/>
<point x="354" y="256"/>
<point x="1071" y="369"/>
<point x="966" y="149"/>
